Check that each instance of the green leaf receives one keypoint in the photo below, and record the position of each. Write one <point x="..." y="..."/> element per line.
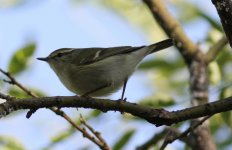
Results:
<point x="123" y="140"/>
<point x="224" y="57"/>
<point x="225" y="92"/>
<point x="215" y="123"/>
<point x="94" y="114"/>
<point x="10" y="143"/>
<point x="60" y="137"/>
<point x="64" y="135"/>
<point x="160" y="100"/>
<point x="16" y="92"/>
<point x="226" y="116"/>
<point x="20" y="59"/>
<point x="186" y="147"/>
<point x="214" y="73"/>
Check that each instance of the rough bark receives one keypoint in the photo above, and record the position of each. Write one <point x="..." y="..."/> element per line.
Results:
<point x="224" y="9"/>
<point x="201" y="136"/>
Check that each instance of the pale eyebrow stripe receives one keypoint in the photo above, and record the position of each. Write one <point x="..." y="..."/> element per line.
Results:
<point x="63" y="51"/>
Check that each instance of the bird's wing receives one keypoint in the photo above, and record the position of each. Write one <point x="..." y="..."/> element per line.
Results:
<point x="87" y="56"/>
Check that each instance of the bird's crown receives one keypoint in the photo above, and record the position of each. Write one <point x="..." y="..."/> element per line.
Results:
<point x="60" y="52"/>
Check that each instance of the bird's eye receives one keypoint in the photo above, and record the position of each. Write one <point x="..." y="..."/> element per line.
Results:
<point x="59" y="54"/>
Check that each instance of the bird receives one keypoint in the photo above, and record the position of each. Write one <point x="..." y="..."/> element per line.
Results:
<point x="97" y="71"/>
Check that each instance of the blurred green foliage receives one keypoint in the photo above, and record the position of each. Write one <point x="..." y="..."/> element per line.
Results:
<point x="18" y="63"/>
<point x="9" y="3"/>
<point x="167" y="73"/>
<point x="170" y="78"/>
<point x="192" y="12"/>
<point x="158" y="101"/>
<point x="10" y="143"/>
<point x="20" y="59"/>
<point x="16" y="92"/>
<point x="130" y="11"/>
<point x="65" y="135"/>
<point x="123" y="140"/>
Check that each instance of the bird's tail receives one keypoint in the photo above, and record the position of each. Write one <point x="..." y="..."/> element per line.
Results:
<point x="161" y="45"/>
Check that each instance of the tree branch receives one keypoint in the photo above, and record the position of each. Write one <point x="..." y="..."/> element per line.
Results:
<point x="157" y="117"/>
<point x="224" y="9"/>
<point x="215" y="49"/>
<point x="173" y="29"/>
<point x="14" y="82"/>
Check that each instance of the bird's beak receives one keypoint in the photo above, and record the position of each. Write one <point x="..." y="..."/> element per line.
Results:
<point x="43" y="59"/>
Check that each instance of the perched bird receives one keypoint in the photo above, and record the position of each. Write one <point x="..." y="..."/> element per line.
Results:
<point x="99" y="71"/>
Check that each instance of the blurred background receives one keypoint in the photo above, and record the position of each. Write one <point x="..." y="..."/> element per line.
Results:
<point x="34" y="28"/>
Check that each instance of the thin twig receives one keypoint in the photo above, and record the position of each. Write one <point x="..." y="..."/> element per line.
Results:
<point x="96" y="133"/>
<point x="159" y="136"/>
<point x="102" y="144"/>
<point x="215" y="49"/>
<point x="14" y="82"/>
<point x="170" y="138"/>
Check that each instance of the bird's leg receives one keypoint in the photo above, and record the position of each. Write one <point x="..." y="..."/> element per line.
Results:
<point x="122" y="99"/>
<point x="123" y="90"/>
